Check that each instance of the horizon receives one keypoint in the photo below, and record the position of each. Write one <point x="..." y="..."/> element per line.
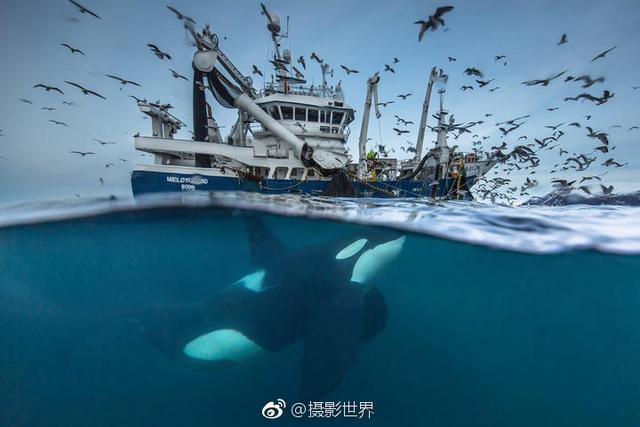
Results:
<point x="36" y="161"/>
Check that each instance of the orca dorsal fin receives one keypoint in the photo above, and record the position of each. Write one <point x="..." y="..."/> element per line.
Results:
<point x="263" y="246"/>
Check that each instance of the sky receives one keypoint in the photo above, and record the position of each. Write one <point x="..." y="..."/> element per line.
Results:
<point x="35" y="162"/>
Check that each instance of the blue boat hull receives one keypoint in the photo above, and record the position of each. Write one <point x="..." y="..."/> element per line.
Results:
<point x="145" y="182"/>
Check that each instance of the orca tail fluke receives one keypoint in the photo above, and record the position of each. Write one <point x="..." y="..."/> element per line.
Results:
<point x="336" y="329"/>
<point x="334" y="333"/>
<point x="375" y="315"/>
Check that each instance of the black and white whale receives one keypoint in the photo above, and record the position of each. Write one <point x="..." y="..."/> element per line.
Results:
<point x="321" y="294"/>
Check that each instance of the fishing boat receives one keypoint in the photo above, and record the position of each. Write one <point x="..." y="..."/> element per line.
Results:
<point x="290" y="137"/>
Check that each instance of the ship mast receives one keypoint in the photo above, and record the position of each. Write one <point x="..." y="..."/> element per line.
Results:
<point x="425" y="113"/>
<point x="281" y="60"/>
<point x="441" y="141"/>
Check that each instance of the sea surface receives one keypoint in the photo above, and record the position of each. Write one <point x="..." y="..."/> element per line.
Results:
<point x="497" y="316"/>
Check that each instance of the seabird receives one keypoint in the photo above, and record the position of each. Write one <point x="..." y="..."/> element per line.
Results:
<point x="124" y="82"/>
<point x="603" y="54"/>
<point x="256" y="70"/>
<point x="606" y="190"/>
<point x="176" y="75"/>
<point x="316" y="57"/>
<point x="543" y="82"/>
<point x="48" y="88"/>
<point x="83" y="9"/>
<point x="72" y="49"/>
<point x="588" y="81"/>
<point x="472" y="71"/>
<point x="611" y="162"/>
<point x="482" y="83"/>
<point x="298" y="73"/>
<point x="180" y="16"/>
<point x="349" y="70"/>
<point x="400" y="132"/>
<point x="157" y="52"/>
<point x="84" y="90"/>
<point x="433" y="22"/>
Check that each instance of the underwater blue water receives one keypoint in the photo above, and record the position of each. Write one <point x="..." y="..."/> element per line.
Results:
<point x="496" y="316"/>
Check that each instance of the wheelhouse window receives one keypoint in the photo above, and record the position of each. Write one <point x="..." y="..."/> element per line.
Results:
<point x="349" y="118"/>
<point x="313" y="115"/>
<point x="336" y="119"/>
<point x="287" y="113"/>
<point x="301" y="114"/>
<point x="275" y="112"/>
<point x="297" y="173"/>
<point x="325" y="116"/>
<point x="281" y="172"/>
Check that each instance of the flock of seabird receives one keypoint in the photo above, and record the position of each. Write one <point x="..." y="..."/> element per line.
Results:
<point x="123" y="82"/>
<point x="524" y="156"/>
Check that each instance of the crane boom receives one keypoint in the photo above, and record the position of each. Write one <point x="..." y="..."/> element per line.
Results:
<point x="372" y="92"/>
<point x="209" y="53"/>
<point x="243" y="97"/>
<point x="425" y="112"/>
<point x="242" y="80"/>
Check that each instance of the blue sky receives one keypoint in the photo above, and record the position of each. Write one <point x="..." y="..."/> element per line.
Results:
<point x="360" y="34"/>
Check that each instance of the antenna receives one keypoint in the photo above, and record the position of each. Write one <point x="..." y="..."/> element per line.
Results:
<point x="286" y="35"/>
<point x="291" y="60"/>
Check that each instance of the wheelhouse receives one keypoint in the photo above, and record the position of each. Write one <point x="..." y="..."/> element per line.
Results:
<point x="308" y="118"/>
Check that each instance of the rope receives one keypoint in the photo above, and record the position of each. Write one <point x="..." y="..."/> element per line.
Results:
<point x="299" y="183"/>
<point x="244" y="175"/>
<point x="376" y="188"/>
<point x="380" y="132"/>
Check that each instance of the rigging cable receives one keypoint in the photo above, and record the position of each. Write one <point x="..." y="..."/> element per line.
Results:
<point x="380" y="132"/>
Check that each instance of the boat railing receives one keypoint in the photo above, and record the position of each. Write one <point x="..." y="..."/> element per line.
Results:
<point x="271" y="88"/>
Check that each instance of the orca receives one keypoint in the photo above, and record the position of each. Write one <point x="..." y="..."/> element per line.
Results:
<point x="323" y="295"/>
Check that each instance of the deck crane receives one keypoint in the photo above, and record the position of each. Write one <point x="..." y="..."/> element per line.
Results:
<point x="372" y="92"/>
<point x="301" y="145"/>
<point x="433" y="77"/>
<point x="231" y="96"/>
